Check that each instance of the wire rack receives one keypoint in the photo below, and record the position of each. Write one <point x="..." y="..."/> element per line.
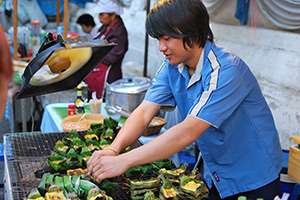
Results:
<point x="26" y="155"/>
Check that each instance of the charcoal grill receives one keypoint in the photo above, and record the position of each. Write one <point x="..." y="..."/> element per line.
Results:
<point x="26" y="157"/>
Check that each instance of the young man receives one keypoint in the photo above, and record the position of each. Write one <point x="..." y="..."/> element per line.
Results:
<point x="88" y="25"/>
<point x="220" y="101"/>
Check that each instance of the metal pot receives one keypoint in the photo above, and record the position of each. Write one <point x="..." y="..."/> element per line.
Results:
<point x="127" y="93"/>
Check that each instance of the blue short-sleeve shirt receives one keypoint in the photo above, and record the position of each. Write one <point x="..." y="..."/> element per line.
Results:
<point x="241" y="148"/>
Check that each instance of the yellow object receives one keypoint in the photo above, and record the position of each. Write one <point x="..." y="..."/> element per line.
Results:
<point x="296" y="138"/>
<point x="294" y="160"/>
<point x="191" y="186"/>
<point x="79" y="86"/>
<point x="113" y="149"/>
<point x="76" y="172"/>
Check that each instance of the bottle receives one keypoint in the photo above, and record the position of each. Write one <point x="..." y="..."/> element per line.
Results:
<point x="79" y="97"/>
<point x="80" y="108"/>
<point x="71" y="109"/>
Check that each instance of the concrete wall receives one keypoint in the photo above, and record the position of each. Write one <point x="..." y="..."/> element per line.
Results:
<point x="273" y="55"/>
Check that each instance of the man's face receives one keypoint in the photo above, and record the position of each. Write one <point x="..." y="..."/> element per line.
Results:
<point x="105" y="18"/>
<point x="174" y="50"/>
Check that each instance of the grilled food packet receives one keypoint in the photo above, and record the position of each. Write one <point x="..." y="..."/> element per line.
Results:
<point x="108" y="185"/>
<point x="77" y="145"/>
<point x="139" y="194"/>
<point x="57" y="162"/>
<point x="144" y="184"/>
<point x="167" y="190"/>
<point x="61" y="148"/>
<point x="74" y="160"/>
<point x="35" y="195"/>
<point x="192" y="186"/>
<point x="92" y="145"/>
<point x="68" y="139"/>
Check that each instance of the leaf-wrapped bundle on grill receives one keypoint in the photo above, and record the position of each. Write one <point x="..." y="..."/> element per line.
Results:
<point x="167" y="190"/>
<point x="42" y="186"/>
<point x="61" y="148"/>
<point x="97" y="194"/>
<point x="164" y="163"/>
<point x="68" y="139"/>
<point x="109" y="135"/>
<point x="57" y="162"/>
<point x="144" y="184"/>
<point x="35" y="195"/>
<point x="55" y="192"/>
<point x="175" y="173"/>
<point x="139" y="194"/>
<point x="110" y="123"/>
<point x="77" y="145"/>
<point x="150" y="196"/>
<point x="86" y="154"/>
<point x="92" y="145"/>
<point x="73" y="159"/>
<point x="108" y="185"/>
<point x="192" y="186"/>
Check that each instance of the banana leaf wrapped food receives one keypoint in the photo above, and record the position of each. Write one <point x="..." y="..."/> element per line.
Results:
<point x="95" y="194"/>
<point x="92" y="145"/>
<point x="57" y="162"/>
<point x="86" y="154"/>
<point x="193" y="187"/>
<point x="144" y="184"/>
<point x="140" y="194"/>
<point x="35" y="195"/>
<point x="175" y="173"/>
<point x="74" y="160"/>
<point x="68" y="139"/>
<point x="61" y="148"/>
<point x="55" y="192"/>
<point x="167" y="190"/>
<point x="77" y="145"/>
<point x="150" y="196"/>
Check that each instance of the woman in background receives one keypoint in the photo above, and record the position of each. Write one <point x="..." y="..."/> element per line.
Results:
<point x="114" y="31"/>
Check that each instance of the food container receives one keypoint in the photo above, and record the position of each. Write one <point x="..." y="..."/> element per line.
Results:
<point x="155" y="126"/>
<point x="127" y="93"/>
<point x="81" y="122"/>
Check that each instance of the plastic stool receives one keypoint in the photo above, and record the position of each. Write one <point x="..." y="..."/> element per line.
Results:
<point x="296" y="193"/>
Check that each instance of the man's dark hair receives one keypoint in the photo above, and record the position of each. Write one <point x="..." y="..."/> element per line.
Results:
<point x="86" y="19"/>
<point x="186" y="19"/>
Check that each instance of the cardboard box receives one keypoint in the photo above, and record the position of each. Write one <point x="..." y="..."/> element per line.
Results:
<point x="294" y="160"/>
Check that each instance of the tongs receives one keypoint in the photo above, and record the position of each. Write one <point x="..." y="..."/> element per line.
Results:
<point x="117" y="109"/>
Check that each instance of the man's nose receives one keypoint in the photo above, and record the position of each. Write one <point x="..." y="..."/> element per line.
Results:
<point x="162" y="46"/>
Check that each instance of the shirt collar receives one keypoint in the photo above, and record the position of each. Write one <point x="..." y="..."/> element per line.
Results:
<point x="196" y="75"/>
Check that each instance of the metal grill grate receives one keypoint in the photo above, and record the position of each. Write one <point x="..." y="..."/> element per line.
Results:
<point x="28" y="162"/>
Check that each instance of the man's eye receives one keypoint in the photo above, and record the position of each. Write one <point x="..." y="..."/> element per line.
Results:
<point x="166" y="38"/>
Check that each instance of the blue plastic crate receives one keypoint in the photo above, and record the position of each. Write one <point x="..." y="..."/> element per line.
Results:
<point x="8" y="148"/>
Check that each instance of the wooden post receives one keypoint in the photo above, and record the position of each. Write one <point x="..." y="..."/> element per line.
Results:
<point x="66" y="6"/>
<point x="15" y="24"/>
<point x="57" y="13"/>
<point x="146" y="44"/>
